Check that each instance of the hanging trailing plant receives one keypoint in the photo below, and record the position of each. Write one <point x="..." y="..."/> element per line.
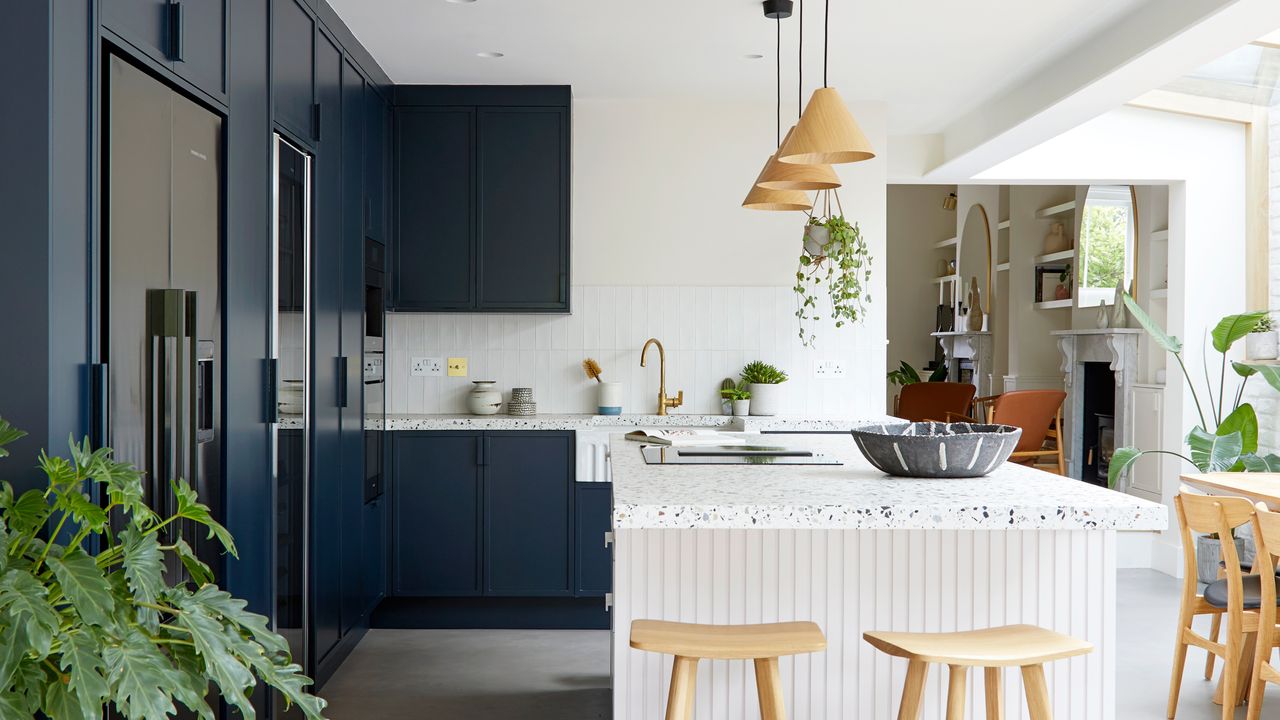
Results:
<point x="836" y="263"/>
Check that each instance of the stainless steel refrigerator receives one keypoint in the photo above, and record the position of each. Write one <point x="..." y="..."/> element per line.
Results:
<point x="160" y="324"/>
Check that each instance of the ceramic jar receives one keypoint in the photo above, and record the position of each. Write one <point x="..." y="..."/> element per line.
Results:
<point x="1056" y="240"/>
<point x="484" y="398"/>
<point x="609" y="401"/>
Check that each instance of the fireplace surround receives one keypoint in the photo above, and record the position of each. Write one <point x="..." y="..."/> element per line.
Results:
<point x="1118" y="349"/>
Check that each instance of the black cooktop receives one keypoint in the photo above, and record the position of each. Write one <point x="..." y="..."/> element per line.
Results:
<point x="733" y="455"/>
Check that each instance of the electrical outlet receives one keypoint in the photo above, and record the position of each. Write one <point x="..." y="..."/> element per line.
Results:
<point x="457" y="367"/>
<point x="828" y="369"/>
<point x="426" y="367"/>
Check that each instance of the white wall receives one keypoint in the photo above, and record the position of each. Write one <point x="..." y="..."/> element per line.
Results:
<point x="657" y="224"/>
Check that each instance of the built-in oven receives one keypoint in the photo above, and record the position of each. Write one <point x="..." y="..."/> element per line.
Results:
<point x="374" y="366"/>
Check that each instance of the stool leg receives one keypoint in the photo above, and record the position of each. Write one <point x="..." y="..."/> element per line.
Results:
<point x="684" y="678"/>
<point x="956" y="692"/>
<point x="913" y="691"/>
<point x="995" y="693"/>
<point x="1037" y="692"/>
<point x="769" y="689"/>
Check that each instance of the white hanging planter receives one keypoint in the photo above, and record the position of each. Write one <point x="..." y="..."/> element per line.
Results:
<point x="815" y="238"/>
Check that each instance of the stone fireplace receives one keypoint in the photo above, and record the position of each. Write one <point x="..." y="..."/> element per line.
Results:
<point x="1087" y="358"/>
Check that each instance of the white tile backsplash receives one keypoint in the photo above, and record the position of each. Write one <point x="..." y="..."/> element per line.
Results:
<point x="709" y="334"/>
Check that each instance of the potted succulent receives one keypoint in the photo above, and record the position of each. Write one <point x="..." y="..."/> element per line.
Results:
<point x="1261" y="343"/>
<point x="116" y="629"/>
<point x="726" y="403"/>
<point x="740" y="398"/>
<point x="763" y="379"/>
<point x="835" y="263"/>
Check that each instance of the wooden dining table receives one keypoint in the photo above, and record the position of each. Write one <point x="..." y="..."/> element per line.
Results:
<point x="1258" y="487"/>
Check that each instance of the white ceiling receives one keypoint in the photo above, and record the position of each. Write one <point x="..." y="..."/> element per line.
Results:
<point x="932" y="61"/>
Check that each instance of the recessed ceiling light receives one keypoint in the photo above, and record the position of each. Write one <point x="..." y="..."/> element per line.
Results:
<point x="752" y="56"/>
<point x="490" y="54"/>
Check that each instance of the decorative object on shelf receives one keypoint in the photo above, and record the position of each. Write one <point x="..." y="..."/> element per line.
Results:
<point x="484" y="398"/>
<point x="110" y="629"/>
<point x="522" y="403"/>
<point x="943" y="268"/>
<point x="610" y="398"/>
<point x="1119" y="316"/>
<point x="1057" y="240"/>
<point x="739" y="399"/>
<point x="976" y="319"/>
<point x="762" y="380"/>
<point x="908" y="375"/>
<point x="949" y="202"/>
<point x="1103" y="317"/>
<point x="1226" y="439"/>
<point x="935" y="449"/>
<point x="1063" y="290"/>
<point x="1261" y="342"/>
<point x="592" y="369"/>
<point x="726" y="403"/>
<point x="827" y="131"/>
<point x="946" y="319"/>
<point x="780" y="191"/>
<point x="842" y="262"/>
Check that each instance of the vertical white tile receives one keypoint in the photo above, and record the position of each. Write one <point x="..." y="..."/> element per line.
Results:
<point x="542" y="325"/>
<point x="734" y="317"/>
<point x="686" y="317"/>
<point x="606" y="331"/>
<point x="719" y="319"/>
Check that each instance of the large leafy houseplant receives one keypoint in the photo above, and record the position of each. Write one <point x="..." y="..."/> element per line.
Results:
<point x="837" y="256"/>
<point x="80" y="632"/>
<point x="1226" y="438"/>
<point x="906" y="374"/>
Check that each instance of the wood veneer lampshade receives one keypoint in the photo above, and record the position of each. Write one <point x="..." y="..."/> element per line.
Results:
<point x="759" y="198"/>
<point x="790" y="176"/>
<point x="826" y="133"/>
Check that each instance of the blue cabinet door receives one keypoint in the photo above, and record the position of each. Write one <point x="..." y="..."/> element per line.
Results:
<point x="200" y="43"/>
<point x="293" y="59"/>
<point x="374" y="567"/>
<point x="377" y="151"/>
<point x="528" y="519"/>
<point x="436" y="519"/>
<point x="145" y="24"/>
<point x="594" y="560"/>
<point x="522" y="199"/>
<point x="433" y="257"/>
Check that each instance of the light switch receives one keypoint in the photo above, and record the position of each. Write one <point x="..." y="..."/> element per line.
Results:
<point x="457" y="367"/>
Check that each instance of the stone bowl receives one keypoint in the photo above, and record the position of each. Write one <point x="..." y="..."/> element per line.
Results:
<point x="936" y="450"/>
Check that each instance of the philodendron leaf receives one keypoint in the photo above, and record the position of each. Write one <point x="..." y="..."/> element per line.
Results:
<point x="190" y="507"/>
<point x="27" y="512"/>
<point x="1121" y="460"/>
<point x="25" y="600"/>
<point x="1157" y="333"/>
<point x="1270" y="373"/>
<point x="292" y="684"/>
<point x="199" y="572"/>
<point x="1244" y="421"/>
<point x="1233" y="327"/>
<point x="144" y="570"/>
<point x="1214" y="453"/>
<point x="83" y="584"/>
<point x="1269" y="463"/>
<point x="194" y="686"/>
<point x="141" y="677"/>
<point x="212" y="642"/>
<point x="82" y="662"/>
<point x="232" y="610"/>
<point x="8" y="433"/>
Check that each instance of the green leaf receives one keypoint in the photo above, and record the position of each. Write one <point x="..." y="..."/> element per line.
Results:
<point x="1233" y="327"/>
<point x="28" y="512"/>
<point x="1270" y="373"/>
<point x="232" y="609"/>
<point x="83" y="583"/>
<point x="939" y="374"/>
<point x="12" y="705"/>
<point x="25" y="600"/>
<point x="199" y="572"/>
<point x="82" y="661"/>
<point x="13" y="639"/>
<point x="1157" y="333"/>
<point x="61" y="704"/>
<point x="85" y="512"/>
<point x="61" y="473"/>
<point x="140" y="677"/>
<point x="289" y="681"/>
<point x="1214" y="453"/>
<point x="194" y="686"/>
<point x="190" y="507"/>
<point x="213" y="643"/>
<point x="8" y="434"/>
<point x="124" y="485"/>
<point x="1242" y="369"/>
<point x="144" y="569"/>
<point x="1244" y="421"/>
<point x="1261" y="463"/>
<point x="1121" y="460"/>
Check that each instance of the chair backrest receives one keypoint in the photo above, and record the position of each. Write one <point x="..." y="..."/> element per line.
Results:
<point x="1218" y="514"/>
<point x="1032" y="410"/>
<point x="1267" y="537"/>
<point x="933" y="400"/>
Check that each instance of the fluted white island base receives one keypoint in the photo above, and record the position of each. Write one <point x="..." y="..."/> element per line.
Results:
<point x="966" y="564"/>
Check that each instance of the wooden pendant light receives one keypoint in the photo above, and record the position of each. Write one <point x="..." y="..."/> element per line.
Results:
<point x="790" y="176"/>
<point x="826" y="133"/>
<point x="759" y="198"/>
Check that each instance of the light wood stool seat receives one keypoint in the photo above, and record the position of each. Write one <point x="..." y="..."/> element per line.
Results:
<point x="690" y="642"/>
<point x="1023" y="646"/>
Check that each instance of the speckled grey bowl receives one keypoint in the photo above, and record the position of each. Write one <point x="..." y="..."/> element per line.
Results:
<point x="936" y="450"/>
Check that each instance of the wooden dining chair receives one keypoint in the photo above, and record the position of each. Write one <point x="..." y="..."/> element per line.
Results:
<point x="920" y="402"/>
<point x="1038" y="413"/>
<point x="1232" y="596"/>
<point x="1267" y="537"/>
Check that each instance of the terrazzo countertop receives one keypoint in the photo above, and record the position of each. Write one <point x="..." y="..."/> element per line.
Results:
<point x="592" y="422"/>
<point x="856" y="495"/>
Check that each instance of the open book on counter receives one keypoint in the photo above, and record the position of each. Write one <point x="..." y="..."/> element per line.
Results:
<point x="684" y="437"/>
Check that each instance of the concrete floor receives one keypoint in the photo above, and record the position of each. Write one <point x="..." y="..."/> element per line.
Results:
<point x="564" y="674"/>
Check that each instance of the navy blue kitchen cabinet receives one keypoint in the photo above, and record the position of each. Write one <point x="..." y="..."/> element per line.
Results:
<point x="377" y="142"/>
<point x="294" y="56"/>
<point x="433" y="257"/>
<point x="481" y="199"/>
<point x="528" y="518"/>
<point x="186" y="36"/>
<point x="374" y="561"/>
<point x="436" y="518"/>
<point x="594" y="559"/>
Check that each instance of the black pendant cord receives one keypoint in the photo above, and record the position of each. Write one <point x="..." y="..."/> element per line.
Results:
<point x="777" y="136"/>
<point x="826" y="37"/>
<point x="800" y="66"/>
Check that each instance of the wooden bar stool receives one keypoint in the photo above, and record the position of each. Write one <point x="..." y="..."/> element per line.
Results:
<point x="762" y="643"/>
<point x="1023" y="646"/>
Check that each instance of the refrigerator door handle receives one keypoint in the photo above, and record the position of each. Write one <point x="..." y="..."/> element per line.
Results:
<point x="99" y="380"/>
<point x="271" y="393"/>
<point x="342" y="381"/>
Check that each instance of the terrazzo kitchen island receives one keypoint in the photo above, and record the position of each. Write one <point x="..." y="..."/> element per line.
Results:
<point x="853" y="550"/>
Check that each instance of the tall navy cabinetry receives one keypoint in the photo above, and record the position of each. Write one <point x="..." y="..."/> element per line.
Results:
<point x="293" y="37"/>
<point x="188" y="37"/>
<point x="481" y="202"/>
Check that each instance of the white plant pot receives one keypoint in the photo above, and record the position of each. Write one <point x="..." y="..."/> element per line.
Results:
<point x="726" y="407"/>
<point x="741" y="408"/>
<point x="609" y="401"/>
<point x="765" y="399"/>
<point x="1262" y="346"/>
<point x="815" y="237"/>
<point x="484" y="398"/>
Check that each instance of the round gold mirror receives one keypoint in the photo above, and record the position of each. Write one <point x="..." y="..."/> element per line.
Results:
<point x="973" y="256"/>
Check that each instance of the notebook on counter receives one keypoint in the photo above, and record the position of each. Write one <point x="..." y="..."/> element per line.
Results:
<point x="685" y="437"/>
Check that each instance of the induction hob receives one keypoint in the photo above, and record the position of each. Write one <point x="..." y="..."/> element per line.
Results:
<point x="733" y="455"/>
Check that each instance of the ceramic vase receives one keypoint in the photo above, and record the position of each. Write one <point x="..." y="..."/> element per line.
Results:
<point x="1056" y="240"/>
<point x="975" y="319"/>
<point x="1103" y="317"/>
<point x="765" y="399"/>
<point x="609" y="399"/>
<point x="1262" y="345"/>
<point x="742" y="408"/>
<point x="484" y="398"/>
<point x="1119" y="311"/>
